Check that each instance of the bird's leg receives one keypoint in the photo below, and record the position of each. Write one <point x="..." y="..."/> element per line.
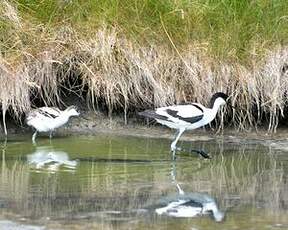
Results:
<point x="174" y="142"/>
<point x="173" y="175"/>
<point x="177" y="136"/>
<point x="34" y="137"/>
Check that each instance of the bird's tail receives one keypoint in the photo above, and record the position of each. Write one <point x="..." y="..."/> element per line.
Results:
<point x="147" y="113"/>
<point x="152" y="114"/>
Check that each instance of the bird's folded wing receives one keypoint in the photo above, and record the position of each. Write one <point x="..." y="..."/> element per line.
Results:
<point x="50" y="112"/>
<point x="188" y="113"/>
<point x="192" y="110"/>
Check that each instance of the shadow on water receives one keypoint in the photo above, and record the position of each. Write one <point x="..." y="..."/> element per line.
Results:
<point x="112" y="182"/>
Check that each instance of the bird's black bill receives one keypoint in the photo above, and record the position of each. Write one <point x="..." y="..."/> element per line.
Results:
<point x="202" y="153"/>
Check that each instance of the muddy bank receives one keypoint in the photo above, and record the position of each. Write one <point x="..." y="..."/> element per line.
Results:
<point x="97" y="123"/>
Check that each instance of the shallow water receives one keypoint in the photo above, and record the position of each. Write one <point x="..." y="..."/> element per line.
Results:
<point x="113" y="182"/>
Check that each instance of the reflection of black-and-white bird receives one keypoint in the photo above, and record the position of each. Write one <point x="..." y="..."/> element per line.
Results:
<point x="46" y="119"/>
<point x="47" y="157"/>
<point x="191" y="205"/>
<point x="187" y="117"/>
<point x="188" y="204"/>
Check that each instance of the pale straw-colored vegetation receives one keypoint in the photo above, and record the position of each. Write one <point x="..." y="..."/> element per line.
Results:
<point x="39" y="53"/>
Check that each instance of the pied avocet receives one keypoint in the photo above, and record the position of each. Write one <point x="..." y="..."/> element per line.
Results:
<point x="47" y="119"/>
<point x="187" y="117"/>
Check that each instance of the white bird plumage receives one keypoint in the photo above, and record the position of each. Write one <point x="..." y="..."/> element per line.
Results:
<point x="47" y="119"/>
<point x="187" y="117"/>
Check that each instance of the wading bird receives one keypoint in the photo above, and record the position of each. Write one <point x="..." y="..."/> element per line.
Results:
<point x="187" y="117"/>
<point x="47" y="119"/>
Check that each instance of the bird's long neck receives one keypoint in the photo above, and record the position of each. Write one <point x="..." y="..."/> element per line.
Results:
<point x="211" y="206"/>
<point x="66" y="114"/>
<point x="214" y="208"/>
<point x="217" y="214"/>
<point x="216" y="106"/>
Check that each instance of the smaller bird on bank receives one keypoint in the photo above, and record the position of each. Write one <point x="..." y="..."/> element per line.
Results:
<point x="187" y="117"/>
<point x="47" y="119"/>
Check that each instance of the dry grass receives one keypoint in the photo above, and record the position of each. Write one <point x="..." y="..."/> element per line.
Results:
<point x="126" y="76"/>
<point x="36" y="61"/>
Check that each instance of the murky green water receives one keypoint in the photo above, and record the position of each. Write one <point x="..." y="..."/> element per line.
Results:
<point x="112" y="182"/>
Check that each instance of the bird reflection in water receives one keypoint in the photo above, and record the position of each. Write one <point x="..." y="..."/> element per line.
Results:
<point x="189" y="204"/>
<point x="49" y="159"/>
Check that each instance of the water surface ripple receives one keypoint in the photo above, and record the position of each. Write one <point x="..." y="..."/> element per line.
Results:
<point x="113" y="182"/>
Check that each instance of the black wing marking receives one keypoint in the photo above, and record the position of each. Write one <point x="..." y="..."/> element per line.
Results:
<point x="198" y="107"/>
<point x="191" y="120"/>
<point x="192" y="203"/>
<point x="46" y="114"/>
<point x="152" y="114"/>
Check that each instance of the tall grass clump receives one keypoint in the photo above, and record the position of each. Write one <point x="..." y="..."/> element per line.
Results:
<point x="130" y="77"/>
<point x="135" y="55"/>
<point x="228" y="29"/>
